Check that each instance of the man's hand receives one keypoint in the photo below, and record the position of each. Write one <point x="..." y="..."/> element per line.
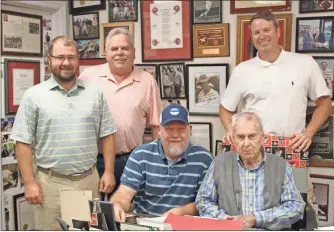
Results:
<point x="300" y="141"/>
<point x="228" y="138"/>
<point x="107" y="182"/>
<point x="248" y="221"/>
<point x="119" y="213"/>
<point x="33" y="193"/>
<point x="175" y="211"/>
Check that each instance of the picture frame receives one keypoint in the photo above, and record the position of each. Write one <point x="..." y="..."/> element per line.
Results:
<point x="211" y="40"/>
<point x="207" y="12"/>
<point x="178" y="45"/>
<point x="106" y="27"/>
<point x="326" y="64"/>
<point x="86" y="26"/>
<point x="172" y="81"/>
<point x="201" y="134"/>
<point x="76" y="7"/>
<point x="22" y="34"/>
<point x="151" y="69"/>
<point x="206" y="85"/>
<point x="241" y="7"/>
<point x="89" y="49"/>
<point x="307" y="6"/>
<point x="322" y="147"/>
<point x="23" y="213"/>
<point x="127" y="12"/>
<point x="315" y="34"/>
<point x="219" y="147"/>
<point x="182" y="102"/>
<point x="20" y="75"/>
<point x="323" y="187"/>
<point x="83" y="64"/>
<point x="245" y="47"/>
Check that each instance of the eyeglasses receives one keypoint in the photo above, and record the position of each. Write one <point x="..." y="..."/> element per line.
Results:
<point x="70" y="59"/>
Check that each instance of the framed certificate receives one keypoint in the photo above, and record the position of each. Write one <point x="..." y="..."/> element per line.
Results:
<point x="76" y="6"/>
<point x="23" y="213"/>
<point x="20" y="75"/>
<point x="237" y="7"/>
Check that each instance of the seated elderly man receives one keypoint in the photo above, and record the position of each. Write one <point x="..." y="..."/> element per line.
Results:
<point x="164" y="176"/>
<point x="254" y="187"/>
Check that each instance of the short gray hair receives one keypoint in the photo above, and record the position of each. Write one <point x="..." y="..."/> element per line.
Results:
<point x="249" y="116"/>
<point x="68" y="41"/>
<point x="117" y="31"/>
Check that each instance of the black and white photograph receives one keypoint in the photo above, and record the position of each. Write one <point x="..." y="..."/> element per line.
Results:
<point x="207" y="88"/>
<point x="321" y="192"/>
<point x="123" y="10"/>
<point x="150" y="68"/>
<point x="326" y="65"/>
<point x="34" y="28"/>
<point x="172" y="81"/>
<point x="315" y="34"/>
<point x="182" y="102"/>
<point x="12" y="41"/>
<point x="86" y="26"/>
<point x="89" y="49"/>
<point x="10" y="176"/>
<point x="313" y="6"/>
<point x="209" y="11"/>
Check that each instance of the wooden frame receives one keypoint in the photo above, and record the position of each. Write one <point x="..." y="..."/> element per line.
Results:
<point x="314" y="34"/>
<point x="237" y="7"/>
<point x="73" y="9"/>
<point x="199" y="76"/>
<point x="106" y="27"/>
<point x="330" y="67"/>
<point x="170" y="54"/>
<point x="211" y="40"/>
<point x="201" y="139"/>
<point x="245" y="47"/>
<point x="150" y="68"/>
<point x="21" y="43"/>
<point x="120" y="17"/>
<point x="89" y="63"/>
<point x="89" y="28"/>
<point x="307" y="6"/>
<point x="19" y="65"/>
<point x="213" y="15"/>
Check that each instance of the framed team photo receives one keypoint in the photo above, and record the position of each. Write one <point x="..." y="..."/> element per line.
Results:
<point x="123" y="10"/>
<point x="86" y="26"/>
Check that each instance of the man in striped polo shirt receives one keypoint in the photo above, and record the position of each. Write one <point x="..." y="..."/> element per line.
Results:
<point x="59" y="121"/>
<point x="164" y="175"/>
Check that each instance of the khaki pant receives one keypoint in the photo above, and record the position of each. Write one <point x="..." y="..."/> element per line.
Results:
<point x="45" y="215"/>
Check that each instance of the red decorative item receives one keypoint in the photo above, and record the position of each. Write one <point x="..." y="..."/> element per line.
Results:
<point x="176" y="9"/>
<point x="154" y="42"/>
<point x="177" y="41"/>
<point x="155" y="10"/>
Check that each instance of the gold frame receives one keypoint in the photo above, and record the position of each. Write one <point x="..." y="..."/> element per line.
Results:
<point x="113" y="25"/>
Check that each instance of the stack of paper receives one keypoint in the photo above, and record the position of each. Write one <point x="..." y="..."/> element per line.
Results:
<point x="157" y="223"/>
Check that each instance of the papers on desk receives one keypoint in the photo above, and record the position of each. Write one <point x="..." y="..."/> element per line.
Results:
<point x="328" y="228"/>
<point x="157" y="223"/>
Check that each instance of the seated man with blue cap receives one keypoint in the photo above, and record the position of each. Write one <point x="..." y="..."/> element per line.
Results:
<point x="164" y="176"/>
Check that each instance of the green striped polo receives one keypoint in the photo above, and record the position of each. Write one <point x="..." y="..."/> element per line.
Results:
<point x="63" y="127"/>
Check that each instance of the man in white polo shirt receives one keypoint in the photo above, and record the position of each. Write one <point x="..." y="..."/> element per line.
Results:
<point x="276" y="85"/>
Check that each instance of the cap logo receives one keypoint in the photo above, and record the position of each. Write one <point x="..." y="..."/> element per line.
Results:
<point x="174" y="111"/>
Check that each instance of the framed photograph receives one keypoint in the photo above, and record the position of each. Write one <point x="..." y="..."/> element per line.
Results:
<point x="10" y="176"/>
<point x="89" y="49"/>
<point x="307" y="6"/>
<point x="83" y="64"/>
<point x="172" y="81"/>
<point x="326" y="64"/>
<point x="86" y="26"/>
<point x="323" y="187"/>
<point x="207" y="82"/>
<point x="211" y="40"/>
<point x="20" y="75"/>
<point x="207" y="11"/>
<point x="123" y="10"/>
<point x="240" y="7"/>
<point x="167" y="36"/>
<point x="245" y="47"/>
<point x="182" y="102"/>
<point x="22" y="34"/>
<point x="106" y="27"/>
<point x="202" y="134"/>
<point x="76" y="6"/>
<point x="150" y="68"/>
<point x="321" y="150"/>
<point x="315" y="34"/>
<point x="219" y="147"/>
<point x="23" y="213"/>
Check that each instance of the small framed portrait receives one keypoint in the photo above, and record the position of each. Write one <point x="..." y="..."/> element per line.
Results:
<point x="326" y="64"/>
<point x="172" y="81"/>
<point x="123" y="10"/>
<point x="150" y="68"/>
<point x="315" y="34"/>
<point x="201" y="134"/>
<point x="313" y="6"/>
<point x="209" y="11"/>
<point x="76" y="6"/>
<point x="89" y="49"/>
<point x="86" y="26"/>
<point x="207" y="83"/>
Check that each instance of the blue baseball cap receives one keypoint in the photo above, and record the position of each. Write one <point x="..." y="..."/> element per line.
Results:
<point x="174" y="112"/>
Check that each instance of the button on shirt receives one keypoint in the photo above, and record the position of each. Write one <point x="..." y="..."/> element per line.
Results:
<point x="63" y="127"/>
<point x="135" y="103"/>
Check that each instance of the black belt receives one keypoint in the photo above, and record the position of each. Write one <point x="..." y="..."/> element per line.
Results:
<point x="118" y="155"/>
<point x="73" y="177"/>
